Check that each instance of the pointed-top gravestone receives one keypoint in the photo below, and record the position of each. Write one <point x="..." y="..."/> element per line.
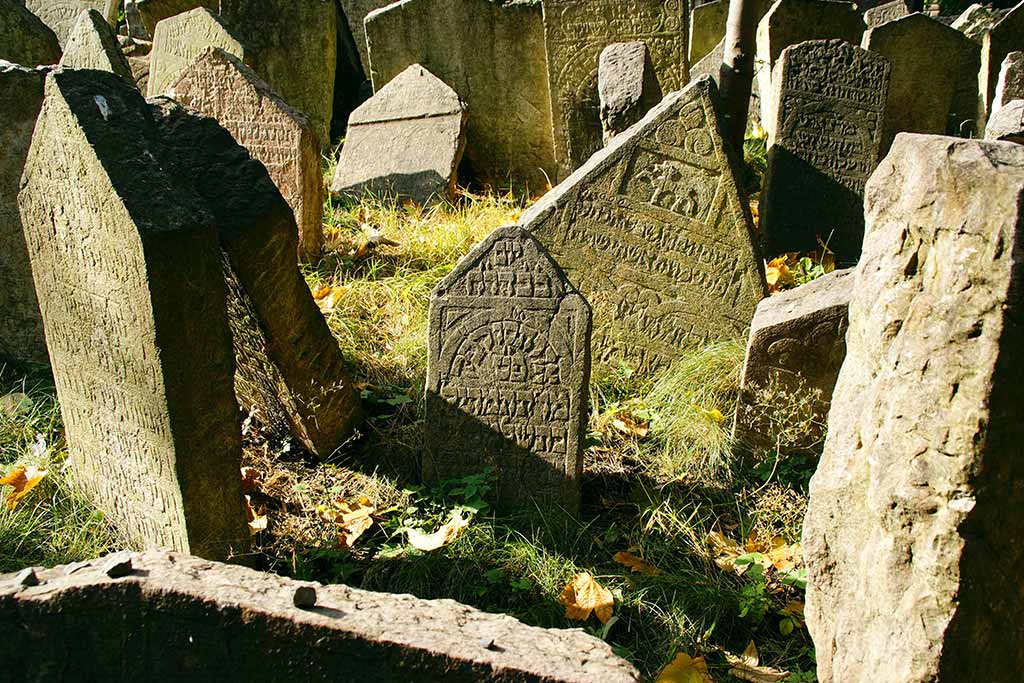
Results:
<point x="1005" y="37"/>
<point x="1011" y="80"/>
<point x="178" y="40"/>
<point x="655" y="233"/>
<point x="61" y="15"/>
<point x="24" y="38"/>
<point x="93" y="45"/>
<point x="975" y="21"/>
<point x="508" y="372"/>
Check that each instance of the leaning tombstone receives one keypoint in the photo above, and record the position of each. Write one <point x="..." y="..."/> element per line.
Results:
<point x="657" y="235"/>
<point x="61" y="15"/>
<point x="93" y="45"/>
<point x="508" y="372"/>
<point x="913" y="538"/>
<point x="127" y="270"/>
<point x="1005" y="37"/>
<point x="627" y="86"/>
<point x="24" y="38"/>
<point x="883" y="14"/>
<point x="405" y="142"/>
<point x="1007" y="123"/>
<point x="179" y="40"/>
<point x="830" y="107"/>
<point x="217" y="84"/>
<point x="152" y="12"/>
<point x="1011" y="80"/>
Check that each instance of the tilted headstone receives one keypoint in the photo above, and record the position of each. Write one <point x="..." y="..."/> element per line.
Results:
<point x="404" y="142"/>
<point x="975" y="21"/>
<point x="93" y="45"/>
<point x="627" y="86"/>
<point x="1005" y="37"/>
<point x="796" y="346"/>
<point x="495" y="61"/>
<point x="152" y="12"/>
<point x="21" y="325"/>
<point x="575" y="32"/>
<point x="24" y="38"/>
<point x="61" y="15"/>
<point x="655" y="233"/>
<point x="1007" y="123"/>
<point x="830" y="106"/>
<point x="1011" y="80"/>
<point x="707" y="28"/>
<point x="883" y="14"/>
<point x="930" y="64"/>
<point x="217" y="84"/>
<point x="179" y="40"/>
<point x="508" y="372"/>
<point x="128" y="272"/>
<point x="355" y="14"/>
<point x="913" y="537"/>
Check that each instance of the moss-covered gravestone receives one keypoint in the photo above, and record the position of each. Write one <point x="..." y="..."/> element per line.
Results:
<point x="93" y="45"/>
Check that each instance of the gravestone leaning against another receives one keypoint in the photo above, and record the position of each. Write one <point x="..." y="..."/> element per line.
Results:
<point x="177" y="42"/>
<point x="152" y="12"/>
<point x="93" y="45"/>
<point x="61" y="15"/>
<point x="508" y="372"/>
<point x="24" y="38"/>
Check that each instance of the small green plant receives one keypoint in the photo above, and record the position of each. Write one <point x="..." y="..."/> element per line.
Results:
<point x="753" y="596"/>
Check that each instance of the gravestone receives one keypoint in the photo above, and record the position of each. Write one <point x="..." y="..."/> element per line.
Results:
<point x="930" y="62"/>
<point x="710" y="65"/>
<point x="289" y="369"/>
<point x="218" y="85"/>
<point x="404" y="142"/>
<point x="495" y="61"/>
<point x="1005" y="37"/>
<point x="575" y="32"/>
<point x="137" y="52"/>
<point x="355" y="14"/>
<point x="627" y="86"/>
<point x="655" y="233"/>
<point x="21" y="326"/>
<point x="796" y="346"/>
<point x="508" y="373"/>
<point x="707" y="28"/>
<point x="61" y="15"/>
<point x="913" y="537"/>
<point x="152" y="12"/>
<point x="24" y="38"/>
<point x="830" y="107"/>
<point x="883" y="14"/>
<point x="789" y="22"/>
<point x="133" y="22"/>
<point x="179" y="40"/>
<point x="127" y="270"/>
<point x="1011" y="80"/>
<point x="975" y="21"/>
<point x="93" y="45"/>
<point x="1007" y="123"/>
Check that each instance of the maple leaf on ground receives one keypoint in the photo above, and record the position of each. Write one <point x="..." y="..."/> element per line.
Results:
<point x="725" y="551"/>
<point x="257" y="518"/>
<point x="636" y="564"/>
<point x="583" y="595"/>
<point x="23" y="479"/>
<point x="746" y="667"/>
<point x="778" y="274"/>
<point x="685" y="669"/>
<point x="353" y="519"/>
<point x="448" y="532"/>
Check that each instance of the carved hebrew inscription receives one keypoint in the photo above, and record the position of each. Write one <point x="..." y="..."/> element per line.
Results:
<point x="178" y="40"/>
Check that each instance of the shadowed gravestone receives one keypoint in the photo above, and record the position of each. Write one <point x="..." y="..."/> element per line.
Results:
<point x="61" y="15"/>
<point x="508" y="371"/>
<point x="93" y="45"/>
<point x="355" y="13"/>
<point x="975" y="21"/>
<point x="179" y="40"/>
<point x="24" y="38"/>
<point x="1011" y="80"/>
<point x="1005" y="37"/>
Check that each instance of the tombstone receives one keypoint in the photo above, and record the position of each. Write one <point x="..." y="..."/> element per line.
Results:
<point x="290" y="370"/>
<point x="627" y="86"/>
<point x="178" y="41"/>
<point x="656" y="234"/>
<point x="912" y="539"/>
<point x="1007" y="123"/>
<point x="355" y="14"/>
<point x="293" y="44"/>
<point x="1011" y="80"/>
<point x="975" y="21"/>
<point x="218" y="85"/>
<point x="351" y="79"/>
<point x="508" y="373"/>
<point x="495" y="61"/>
<point x="575" y="32"/>
<point x="710" y="65"/>
<point x="830" y="107"/>
<point x="883" y="14"/>
<point x="21" y="326"/>
<point x="790" y="22"/>
<point x="707" y="28"/>
<point x="127" y="270"/>
<point x="137" y="53"/>
<point x="405" y="142"/>
<point x="24" y="38"/>
<point x="93" y="45"/>
<point x="930" y="61"/>
<point x="61" y="15"/>
<point x="796" y="346"/>
<point x="152" y="12"/>
<point x="1005" y="37"/>
<point x="133" y="22"/>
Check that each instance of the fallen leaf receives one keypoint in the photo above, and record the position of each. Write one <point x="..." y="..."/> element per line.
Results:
<point x="448" y="532"/>
<point x="250" y="479"/>
<point x="724" y="550"/>
<point x="322" y="292"/>
<point x="352" y="518"/>
<point x="746" y="667"/>
<point x="636" y="564"/>
<point x="584" y="595"/>
<point x="784" y="557"/>
<point x="627" y="425"/>
<point x="685" y="669"/>
<point x="257" y="518"/>
<point x="778" y="272"/>
<point x="327" y="301"/>
<point x="23" y="479"/>
<point x="15" y="404"/>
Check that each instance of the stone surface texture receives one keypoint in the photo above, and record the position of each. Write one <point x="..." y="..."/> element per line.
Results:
<point x="61" y="15"/>
<point x="830" y="100"/>
<point x="128" y="274"/>
<point x="93" y="45"/>
<point x="1011" y="80"/>
<point x="913" y="536"/>
<point x="24" y="38"/>
<point x="974" y="21"/>
<point x="495" y="61"/>
<point x="1007" y="123"/>
<point x="355" y="13"/>
<point x="219" y="85"/>
<point x="1005" y="37"/>
<point x="404" y="142"/>
<point x="655" y="233"/>
<point x="707" y="28"/>
<point x="508" y="374"/>
<point x="883" y="14"/>
<point x="176" y="617"/>
<point x="152" y="12"/>
<point x="626" y="85"/>
<point x="179" y="40"/>
<point x="136" y="51"/>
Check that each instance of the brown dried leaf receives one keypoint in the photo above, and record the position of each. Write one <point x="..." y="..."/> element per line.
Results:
<point x="784" y="557"/>
<point x="745" y="667"/>
<point x="23" y="479"/>
<point x="250" y="479"/>
<point x="685" y="669"/>
<point x="257" y="518"/>
<point x="584" y="595"/>
<point x="448" y="532"/>
<point x="352" y="518"/>
<point x="636" y="564"/>
<point x="630" y="426"/>
<point x="724" y="551"/>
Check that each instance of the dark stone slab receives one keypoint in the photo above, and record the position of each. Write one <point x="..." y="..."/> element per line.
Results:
<point x="24" y="38"/>
<point x="627" y="86"/>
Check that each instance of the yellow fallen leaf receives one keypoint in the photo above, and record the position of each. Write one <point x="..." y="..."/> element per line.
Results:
<point x="685" y="669"/>
<point x="746" y="667"/>
<point x="584" y="595"/>
<point x="250" y="479"/>
<point x="322" y="292"/>
<point x="630" y="426"/>
<point x="784" y="557"/>
<point x="353" y="519"/>
<point x="724" y="550"/>
<point x="778" y="274"/>
<point x="23" y="479"/>
<point x="636" y="564"/>
<point x="257" y="518"/>
<point x="327" y="302"/>
<point x="448" y="532"/>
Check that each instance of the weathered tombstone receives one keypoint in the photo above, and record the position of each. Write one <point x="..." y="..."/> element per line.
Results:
<point x="217" y="84"/>
<point x="508" y="373"/>
<point x="655" y="232"/>
<point x="289" y="367"/>
<point x="975" y="21"/>
<point x="796" y="346"/>
<point x="707" y="28"/>
<point x="127" y="270"/>
<point x="575" y="32"/>
<point x="1011" y="80"/>
<point x="61" y="15"/>
<point x="830" y="106"/>
<point x="789" y="22"/>
<point x="351" y="78"/>
<point x="21" y="326"/>
<point x="929" y="64"/>
<point x="627" y="86"/>
<point x="913" y="539"/>
<point x="93" y="45"/>
<point x="179" y="40"/>
<point x="152" y="12"/>
<point x="137" y="51"/>
<point x="355" y="13"/>
<point x="882" y="14"/>
<point x="404" y="142"/>
<point x="24" y="38"/>
<point x="1005" y="37"/>
<point x="495" y="61"/>
<point x="1007" y="123"/>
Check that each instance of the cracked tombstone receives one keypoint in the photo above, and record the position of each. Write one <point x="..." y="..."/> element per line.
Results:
<point x="24" y="38"/>
<point x="93" y="45"/>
